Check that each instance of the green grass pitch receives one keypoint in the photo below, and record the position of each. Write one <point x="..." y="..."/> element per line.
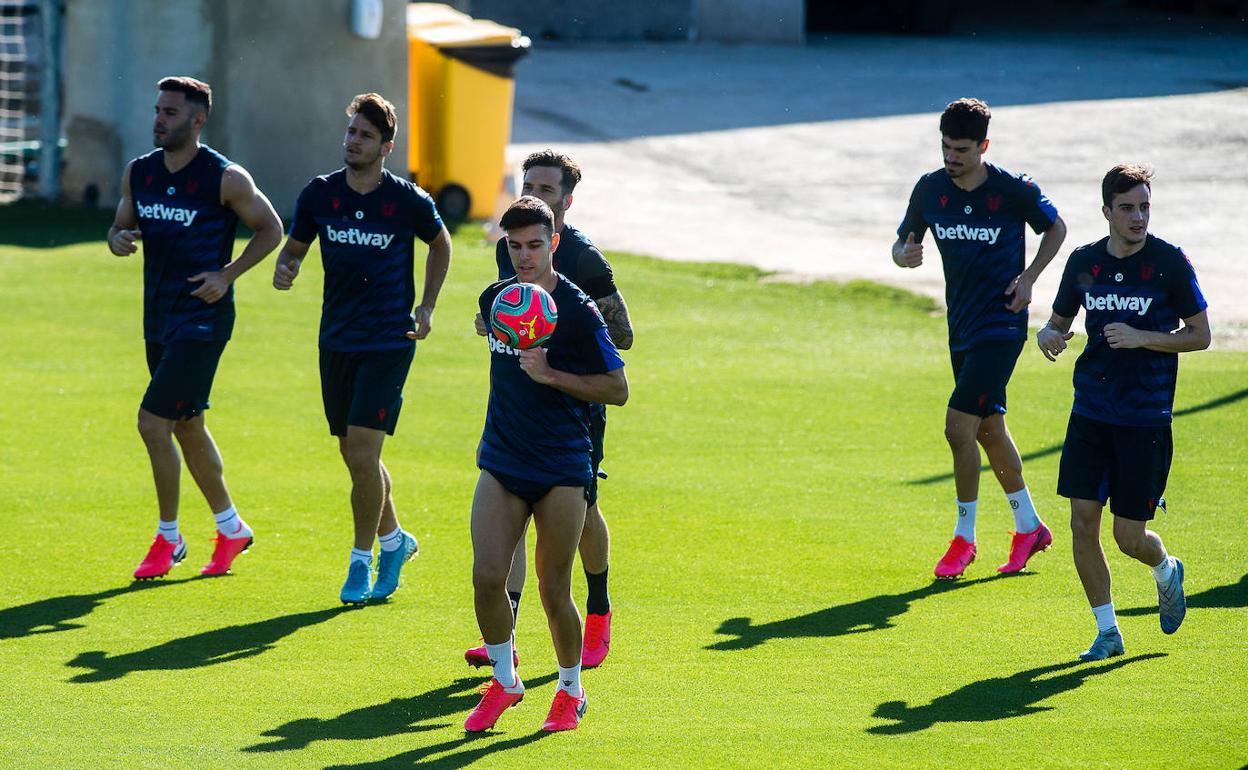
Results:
<point x="779" y="493"/>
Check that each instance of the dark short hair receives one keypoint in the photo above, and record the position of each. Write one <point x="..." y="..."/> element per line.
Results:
<point x="528" y="211"/>
<point x="378" y="111"/>
<point x="965" y="118"/>
<point x="569" y="171"/>
<point x="1123" y="178"/>
<point x="197" y="92"/>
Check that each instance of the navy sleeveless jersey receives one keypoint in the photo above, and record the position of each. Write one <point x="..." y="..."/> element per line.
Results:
<point x="186" y="231"/>
<point x="367" y="249"/>
<point x="576" y="257"/>
<point x="981" y="241"/>
<point x="1150" y="290"/>
<point x="534" y="431"/>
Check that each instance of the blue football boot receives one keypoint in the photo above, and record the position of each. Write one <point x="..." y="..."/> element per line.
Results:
<point x="1108" y="644"/>
<point x="1171" y="604"/>
<point x="355" y="590"/>
<point x="389" y="566"/>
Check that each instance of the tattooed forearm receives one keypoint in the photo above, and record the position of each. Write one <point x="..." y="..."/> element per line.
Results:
<point x="615" y="313"/>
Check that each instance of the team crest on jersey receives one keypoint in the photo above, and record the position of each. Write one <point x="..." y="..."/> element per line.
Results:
<point x="388" y="209"/>
<point x="149" y="179"/>
<point x="1146" y="272"/>
<point x="334" y="203"/>
<point x="994" y="203"/>
<point x="1096" y="271"/>
<point x="192" y="187"/>
<point x="944" y="201"/>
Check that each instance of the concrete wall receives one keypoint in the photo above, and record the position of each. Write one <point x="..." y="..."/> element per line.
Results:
<point x="756" y="21"/>
<point x="282" y="71"/>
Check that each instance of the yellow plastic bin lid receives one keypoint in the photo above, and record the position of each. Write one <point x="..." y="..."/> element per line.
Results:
<point x="471" y="33"/>
<point x="421" y="15"/>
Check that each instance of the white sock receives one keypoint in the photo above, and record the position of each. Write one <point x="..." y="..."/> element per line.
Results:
<point x="169" y="531"/>
<point x="504" y="666"/>
<point x="570" y="680"/>
<point x="360" y="555"/>
<point x="1104" y="615"/>
<point x="966" y="521"/>
<point x="1025" y="517"/>
<point x="391" y="541"/>
<point x="1163" y="571"/>
<point x="230" y="524"/>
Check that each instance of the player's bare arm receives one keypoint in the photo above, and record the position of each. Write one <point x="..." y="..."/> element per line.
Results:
<point x="610" y="388"/>
<point x="1021" y="286"/>
<point x="908" y="253"/>
<point x="615" y="314"/>
<point x="1194" y="334"/>
<point x="1053" y="337"/>
<point x="239" y="192"/>
<point x="123" y="236"/>
<point x="289" y="260"/>
<point x="436" y="266"/>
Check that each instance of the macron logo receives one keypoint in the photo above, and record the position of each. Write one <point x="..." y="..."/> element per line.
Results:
<point x="358" y="237"/>
<point x="1114" y="302"/>
<point x="167" y="213"/>
<point x="964" y="233"/>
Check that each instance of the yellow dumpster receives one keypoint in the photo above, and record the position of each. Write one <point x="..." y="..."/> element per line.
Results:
<point x="460" y="91"/>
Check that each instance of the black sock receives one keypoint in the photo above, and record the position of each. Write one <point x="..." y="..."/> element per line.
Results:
<point x="599" y="603"/>
<point x="515" y="607"/>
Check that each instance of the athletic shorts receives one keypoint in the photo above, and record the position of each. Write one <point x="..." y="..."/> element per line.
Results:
<point x="597" y="432"/>
<point x="980" y="376"/>
<point x="529" y="491"/>
<point x="364" y="388"/>
<point x="1123" y="465"/>
<point x="182" y="374"/>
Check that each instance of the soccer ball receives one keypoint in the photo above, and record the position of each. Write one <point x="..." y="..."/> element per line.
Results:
<point x="523" y="315"/>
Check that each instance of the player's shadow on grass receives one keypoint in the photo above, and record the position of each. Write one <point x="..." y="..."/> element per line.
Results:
<point x="471" y="748"/>
<point x="209" y="648"/>
<point x="1216" y="403"/>
<point x="997" y="698"/>
<point x="396" y="716"/>
<point x="47" y="616"/>
<point x="1228" y="597"/>
<point x="857" y="617"/>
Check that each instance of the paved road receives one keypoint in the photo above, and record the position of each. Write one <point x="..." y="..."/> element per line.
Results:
<point x="800" y="159"/>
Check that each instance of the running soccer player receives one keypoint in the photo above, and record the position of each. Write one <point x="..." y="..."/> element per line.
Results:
<point x="367" y="220"/>
<point x="551" y="177"/>
<point x="976" y="212"/>
<point x="184" y="200"/>
<point x="536" y="456"/>
<point x="1135" y="288"/>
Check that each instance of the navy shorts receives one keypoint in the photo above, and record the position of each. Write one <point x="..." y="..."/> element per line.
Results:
<point x="597" y="432"/>
<point x="529" y="491"/>
<point x="1123" y="465"/>
<point x="182" y="374"/>
<point x="980" y="376"/>
<point x="364" y="388"/>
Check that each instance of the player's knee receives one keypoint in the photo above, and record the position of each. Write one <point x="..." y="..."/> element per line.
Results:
<point x="361" y="461"/>
<point x="1084" y="526"/>
<point x="489" y="578"/>
<point x="958" y="436"/>
<point x="1130" y="540"/>
<point x="152" y="428"/>
<point x="554" y="589"/>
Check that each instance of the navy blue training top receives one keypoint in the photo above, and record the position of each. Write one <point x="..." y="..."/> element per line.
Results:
<point x="186" y="231"/>
<point x="368" y="250"/>
<point x="577" y="258"/>
<point x="981" y="241"/>
<point x="1150" y="290"/>
<point x="533" y="431"/>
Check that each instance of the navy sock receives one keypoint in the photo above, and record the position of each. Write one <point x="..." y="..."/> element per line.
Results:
<point x="599" y="603"/>
<point x="515" y="607"/>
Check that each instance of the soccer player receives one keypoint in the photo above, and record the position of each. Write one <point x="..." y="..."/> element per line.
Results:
<point x="367" y="220"/>
<point x="536" y="456"/>
<point x="551" y="177"/>
<point x="184" y="201"/>
<point x="976" y="212"/>
<point x="1135" y="288"/>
